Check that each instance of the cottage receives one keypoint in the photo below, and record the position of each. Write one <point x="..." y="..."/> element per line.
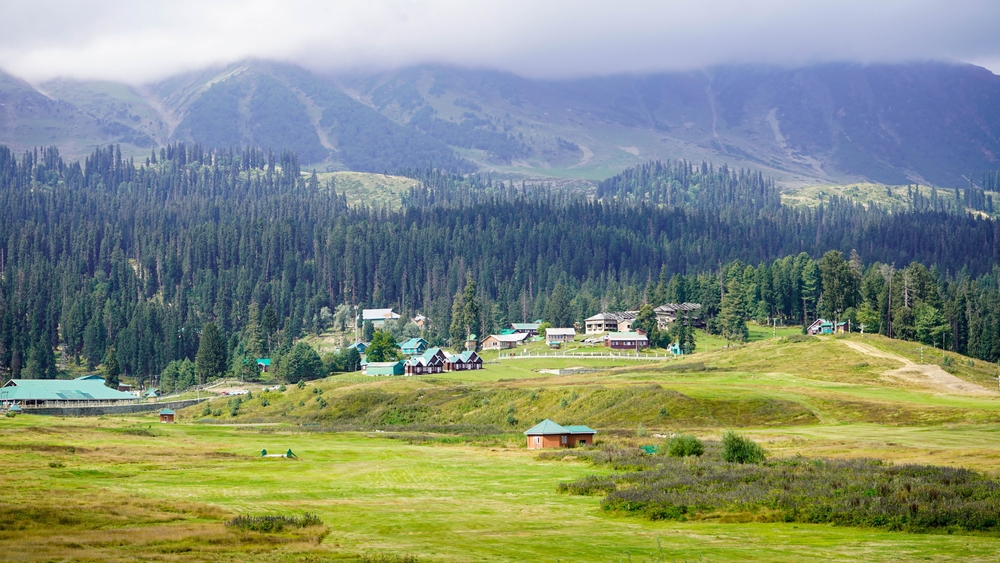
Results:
<point x="531" y="329"/>
<point x="124" y="387"/>
<point x="610" y="322"/>
<point x="670" y="312"/>
<point x="560" y="334"/>
<point x="414" y="346"/>
<point x="264" y="364"/>
<point x="548" y="434"/>
<point x="378" y="316"/>
<point x="504" y="341"/>
<point x="820" y="326"/>
<point x="627" y="341"/>
<point x="465" y="361"/>
<point x="359" y="346"/>
<point x="431" y="361"/>
<point x="421" y="321"/>
<point x="471" y="343"/>
<point x="382" y="368"/>
<point x="83" y="391"/>
<point x="166" y="416"/>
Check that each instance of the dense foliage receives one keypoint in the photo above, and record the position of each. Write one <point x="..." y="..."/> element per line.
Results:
<point x="857" y="492"/>
<point x="140" y="256"/>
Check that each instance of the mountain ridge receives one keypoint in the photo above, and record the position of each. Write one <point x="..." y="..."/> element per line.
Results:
<point x="927" y="123"/>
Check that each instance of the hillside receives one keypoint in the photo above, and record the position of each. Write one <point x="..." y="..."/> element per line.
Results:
<point x="928" y="123"/>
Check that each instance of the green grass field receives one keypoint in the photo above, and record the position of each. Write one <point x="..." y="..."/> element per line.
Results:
<point x="431" y="466"/>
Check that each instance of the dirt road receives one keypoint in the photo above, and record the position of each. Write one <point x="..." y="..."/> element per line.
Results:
<point x="924" y="375"/>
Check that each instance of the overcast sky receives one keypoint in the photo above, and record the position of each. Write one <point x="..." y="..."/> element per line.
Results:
<point x="137" y="41"/>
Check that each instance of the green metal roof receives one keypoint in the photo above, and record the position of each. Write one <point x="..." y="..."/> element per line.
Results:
<point x="413" y="343"/>
<point x="167" y="411"/>
<point x="580" y="429"/>
<point x="507" y="331"/>
<point x="525" y="326"/>
<point x="61" y="390"/>
<point x="546" y="427"/>
<point x="264" y="361"/>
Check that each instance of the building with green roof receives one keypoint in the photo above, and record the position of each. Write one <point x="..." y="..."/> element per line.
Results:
<point x="81" y="392"/>
<point x="548" y="434"/>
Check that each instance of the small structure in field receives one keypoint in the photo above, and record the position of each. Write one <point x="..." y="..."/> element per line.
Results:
<point x="462" y="362"/>
<point x="471" y="343"/>
<point x="627" y="341"/>
<point x="548" y="434"/>
<point x="378" y="316"/>
<point x="531" y="329"/>
<point x="166" y="416"/>
<point x="669" y="313"/>
<point x="382" y="368"/>
<point x="820" y="326"/>
<point x="264" y="364"/>
<point x="359" y="346"/>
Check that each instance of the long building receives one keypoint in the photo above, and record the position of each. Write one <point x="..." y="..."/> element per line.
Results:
<point x="85" y="391"/>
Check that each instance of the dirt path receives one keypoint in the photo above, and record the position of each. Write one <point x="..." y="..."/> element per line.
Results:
<point x="924" y="375"/>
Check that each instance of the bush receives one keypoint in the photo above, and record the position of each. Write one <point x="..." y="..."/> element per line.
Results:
<point x="640" y="431"/>
<point x="321" y="402"/>
<point x="740" y="449"/>
<point x="264" y="401"/>
<point x="207" y="411"/>
<point x="684" y="446"/>
<point x="301" y="384"/>
<point x="273" y="524"/>
<point x="386" y="558"/>
<point x="282" y="388"/>
<point x="216" y="412"/>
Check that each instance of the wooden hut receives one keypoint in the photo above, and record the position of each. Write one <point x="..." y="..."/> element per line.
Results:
<point x="166" y="416"/>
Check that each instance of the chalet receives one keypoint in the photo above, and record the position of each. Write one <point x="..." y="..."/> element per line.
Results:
<point x="382" y="368"/>
<point x="471" y="343"/>
<point x="414" y="346"/>
<point x="670" y="312"/>
<point x="843" y="327"/>
<point x="465" y="361"/>
<point x="359" y="346"/>
<point x="378" y="316"/>
<point x="627" y="341"/>
<point x="264" y="364"/>
<point x="504" y="341"/>
<point x="124" y="387"/>
<point x="83" y="391"/>
<point x="548" y="434"/>
<point x="820" y="326"/>
<point x="166" y="416"/>
<point x="560" y="334"/>
<point x="531" y="329"/>
<point x="431" y="361"/>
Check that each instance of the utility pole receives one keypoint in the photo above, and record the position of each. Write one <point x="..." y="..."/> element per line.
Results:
<point x="922" y="354"/>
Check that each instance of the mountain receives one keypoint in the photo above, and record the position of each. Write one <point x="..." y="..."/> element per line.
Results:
<point x="931" y="123"/>
<point x="928" y="123"/>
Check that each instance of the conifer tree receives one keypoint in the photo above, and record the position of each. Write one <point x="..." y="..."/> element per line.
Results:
<point x="112" y="369"/>
<point x="210" y="361"/>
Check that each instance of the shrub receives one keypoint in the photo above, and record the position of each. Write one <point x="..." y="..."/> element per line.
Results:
<point x="321" y="402"/>
<point x="216" y="412"/>
<point x="302" y="403"/>
<point x="282" y="388"/>
<point x="386" y="558"/>
<point x="946" y="362"/>
<point x="740" y="449"/>
<point x="56" y="464"/>
<point x="207" y="411"/>
<point x="683" y="446"/>
<point x="640" y="431"/>
<point x="301" y="384"/>
<point x="264" y="401"/>
<point x="273" y="524"/>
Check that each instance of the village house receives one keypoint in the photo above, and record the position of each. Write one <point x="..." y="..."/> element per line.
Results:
<point x="378" y="316"/>
<point x="421" y="321"/>
<point x="264" y="364"/>
<point x="627" y="341"/>
<point x="504" y="341"/>
<point x="465" y="361"/>
<point x="166" y="416"/>
<point x="359" y="346"/>
<point x="610" y="322"/>
<point x="548" y="434"/>
<point x="669" y="313"/>
<point x="414" y="346"/>
<point x="531" y="329"/>
<point x="560" y="335"/>
<point x="431" y="361"/>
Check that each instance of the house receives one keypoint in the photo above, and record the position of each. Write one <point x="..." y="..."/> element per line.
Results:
<point x="610" y="322"/>
<point x="264" y="364"/>
<point x="465" y="361"/>
<point x="531" y="329"/>
<point x="153" y="393"/>
<point x="382" y="368"/>
<point x="378" y="316"/>
<point x="548" y="434"/>
<point x="820" y="326"/>
<point x="627" y="341"/>
<point x="560" y="334"/>
<point x="359" y="346"/>
<point x="843" y="327"/>
<point x="83" y="391"/>
<point x="421" y="321"/>
<point x="414" y="346"/>
<point x="166" y="416"/>
<point x="670" y="312"/>
<point x="124" y="387"/>
<point x="504" y="341"/>
<point x="471" y="343"/>
<point x="431" y="361"/>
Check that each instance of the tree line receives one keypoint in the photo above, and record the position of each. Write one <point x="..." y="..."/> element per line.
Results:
<point x="141" y="256"/>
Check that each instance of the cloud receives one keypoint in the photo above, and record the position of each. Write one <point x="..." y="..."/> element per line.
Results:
<point x="137" y="41"/>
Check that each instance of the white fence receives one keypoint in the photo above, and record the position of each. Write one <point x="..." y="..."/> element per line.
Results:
<point x="655" y="357"/>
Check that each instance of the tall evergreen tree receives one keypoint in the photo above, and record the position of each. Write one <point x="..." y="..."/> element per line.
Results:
<point x="112" y="369"/>
<point x="210" y="361"/>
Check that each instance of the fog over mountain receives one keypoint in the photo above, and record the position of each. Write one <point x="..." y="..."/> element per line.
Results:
<point x="896" y="92"/>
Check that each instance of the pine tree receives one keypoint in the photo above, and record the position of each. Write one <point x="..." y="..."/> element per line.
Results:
<point x="733" y="316"/>
<point x="210" y="361"/>
<point x="112" y="369"/>
<point x="457" y="330"/>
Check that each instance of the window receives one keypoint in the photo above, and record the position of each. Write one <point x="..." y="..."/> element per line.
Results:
<point x="563" y="439"/>
<point x="582" y="442"/>
<point x="538" y="440"/>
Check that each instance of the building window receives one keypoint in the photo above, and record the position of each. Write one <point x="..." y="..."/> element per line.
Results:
<point x="564" y="438"/>
<point x="583" y="442"/>
<point x="538" y="439"/>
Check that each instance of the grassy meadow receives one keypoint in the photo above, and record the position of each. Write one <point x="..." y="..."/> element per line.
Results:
<point x="435" y="467"/>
